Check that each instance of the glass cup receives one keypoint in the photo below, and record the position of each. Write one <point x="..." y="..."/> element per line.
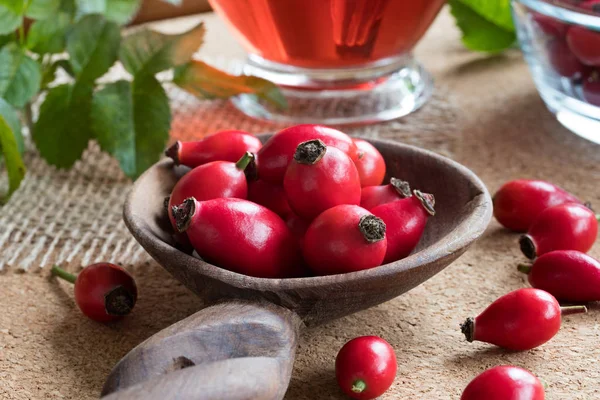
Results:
<point x="336" y="61"/>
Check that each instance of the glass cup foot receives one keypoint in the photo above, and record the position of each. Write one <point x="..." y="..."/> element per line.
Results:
<point x="384" y="92"/>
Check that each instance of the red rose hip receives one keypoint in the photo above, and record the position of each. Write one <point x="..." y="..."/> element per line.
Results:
<point x="568" y="226"/>
<point x="568" y="275"/>
<point x="504" y="382"/>
<point x="585" y="44"/>
<point x="563" y="61"/>
<point x="220" y="146"/>
<point x="240" y="236"/>
<point x="369" y="163"/>
<point x="373" y="196"/>
<point x="278" y="151"/>
<point x="520" y="320"/>
<point x="365" y="367"/>
<point x="518" y="203"/>
<point x="212" y="181"/>
<point x="104" y="292"/>
<point x="345" y="238"/>
<point x="405" y="222"/>
<point x="320" y="177"/>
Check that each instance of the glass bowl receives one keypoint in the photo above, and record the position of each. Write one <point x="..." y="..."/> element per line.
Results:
<point x="561" y="44"/>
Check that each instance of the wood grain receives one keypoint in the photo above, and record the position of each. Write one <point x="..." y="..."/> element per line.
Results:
<point x="228" y="351"/>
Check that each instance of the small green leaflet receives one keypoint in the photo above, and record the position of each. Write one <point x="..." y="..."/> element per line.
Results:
<point x="93" y="45"/>
<point x="9" y="124"/>
<point x="131" y="121"/>
<point x="119" y="11"/>
<point x="486" y="25"/>
<point x="42" y="9"/>
<point x="11" y="15"/>
<point x="20" y="75"/>
<point x="148" y="52"/>
<point x="205" y="81"/>
<point x="62" y="130"/>
<point x="48" y="36"/>
<point x="14" y="123"/>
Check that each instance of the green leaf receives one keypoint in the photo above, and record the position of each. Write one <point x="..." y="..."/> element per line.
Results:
<point x="205" y="81"/>
<point x="48" y="36"/>
<point x="20" y="75"/>
<point x="42" y="9"/>
<point x="119" y="11"/>
<point x="9" y="126"/>
<point x="148" y="52"/>
<point x="131" y="121"/>
<point x="93" y="45"/>
<point x="13" y="121"/>
<point x="62" y="130"/>
<point x="5" y="39"/>
<point x="11" y="15"/>
<point x="480" y="33"/>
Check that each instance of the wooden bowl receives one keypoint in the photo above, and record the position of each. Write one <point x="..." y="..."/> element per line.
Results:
<point x="275" y="309"/>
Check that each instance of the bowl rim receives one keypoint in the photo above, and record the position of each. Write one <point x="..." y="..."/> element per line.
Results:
<point x="471" y="228"/>
<point x="564" y="12"/>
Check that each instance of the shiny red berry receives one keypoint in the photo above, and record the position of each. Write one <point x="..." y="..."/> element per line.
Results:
<point x="220" y="146"/>
<point x="518" y="203"/>
<point x="104" y="292"/>
<point x="568" y="275"/>
<point x="373" y="196"/>
<point x="345" y="238"/>
<point x="278" y="151"/>
<point x="370" y="163"/>
<point x="405" y="222"/>
<point x="504" y="382"/>
<point x="569" y="226"/>
<point x="320" y="177"/>
<point x="520" y="320"/>
<point x="240" y="236"/>
<point x="550" y="25"/>
<point x="365" y="367"/>
<point x="585" y="44"/>
<point x="298" y="227"/>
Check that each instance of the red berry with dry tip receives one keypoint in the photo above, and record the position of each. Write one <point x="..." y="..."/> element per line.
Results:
<point x="520" y="320"/>
<point x="104" y="292"/>
<point x="568" y="275"/>
<point x="320" y="177"/>
<point x="220" y="146"/>
<point x="504" y="382"/>
<point x="567" y="226"/>
<point x="373" y="196"/>
<point x="365" y="367"/>
<point x="344" y="239"/>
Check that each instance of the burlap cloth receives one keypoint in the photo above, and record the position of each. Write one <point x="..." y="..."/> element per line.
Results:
<point x="486" y="114"/>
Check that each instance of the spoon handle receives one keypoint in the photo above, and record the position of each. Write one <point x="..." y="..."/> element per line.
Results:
<point x="230" y="351"/>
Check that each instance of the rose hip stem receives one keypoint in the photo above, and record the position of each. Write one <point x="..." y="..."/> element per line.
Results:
<point x="61" y="273"/>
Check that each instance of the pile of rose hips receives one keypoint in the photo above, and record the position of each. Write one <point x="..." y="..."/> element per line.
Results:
<point x="558" y="229"/>
<point x="574" y="51"/>
<point x="308" y="202"/>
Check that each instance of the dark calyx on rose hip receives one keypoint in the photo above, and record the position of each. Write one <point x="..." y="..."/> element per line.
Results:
<point x="568" y="226"/>
<point x="230" y="233"/>
<point x="220" y="146"/>
<point x="373" y="196"/>
<point x="520" y="320"/>
<point x="568" y="275"/>
<point x="103" y="292"/>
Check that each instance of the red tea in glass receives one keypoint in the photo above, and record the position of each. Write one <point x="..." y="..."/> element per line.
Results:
<point x="342" y="47"/>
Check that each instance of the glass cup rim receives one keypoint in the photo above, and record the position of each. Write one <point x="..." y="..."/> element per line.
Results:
<point x="564" y="12"/>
